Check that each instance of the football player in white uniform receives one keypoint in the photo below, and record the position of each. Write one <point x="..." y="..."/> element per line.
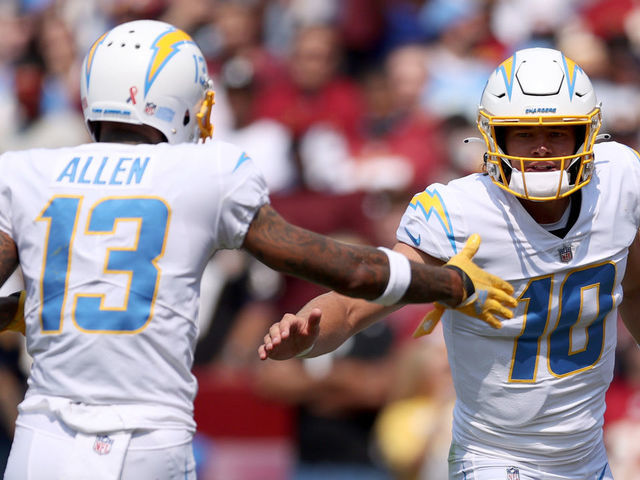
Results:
<point x="558" y="214"/>
<point x="112" y="238"/>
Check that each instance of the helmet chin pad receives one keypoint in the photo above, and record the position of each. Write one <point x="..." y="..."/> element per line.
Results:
<point x="540" y="184"/>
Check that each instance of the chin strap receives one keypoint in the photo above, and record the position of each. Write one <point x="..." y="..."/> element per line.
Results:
<point x="204" y="115"/>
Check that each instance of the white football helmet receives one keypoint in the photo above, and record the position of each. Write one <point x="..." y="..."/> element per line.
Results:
<point x="148" y="72"/>
<point x="539" y="87"/>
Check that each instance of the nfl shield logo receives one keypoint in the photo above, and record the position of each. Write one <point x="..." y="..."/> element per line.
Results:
<point x="150" y="108"/>
<point x="102" y="445"/>
<point x="566" y="255"/>
<point x="513" y="473"/>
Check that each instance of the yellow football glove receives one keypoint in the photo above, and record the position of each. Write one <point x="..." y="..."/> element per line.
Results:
<point x="17" y="324"/>
<point x="485" y="295"/>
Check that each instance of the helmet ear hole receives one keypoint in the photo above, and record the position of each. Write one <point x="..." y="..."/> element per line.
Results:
<point x="187" y="118"/>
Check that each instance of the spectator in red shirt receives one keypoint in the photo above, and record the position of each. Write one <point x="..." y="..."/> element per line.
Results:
<point x="314" y="90"/>
<point x="397" y="147"/>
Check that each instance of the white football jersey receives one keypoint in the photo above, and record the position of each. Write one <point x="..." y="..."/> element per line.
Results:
<point x="534" y="390"/>
<point x="113" y="240"/>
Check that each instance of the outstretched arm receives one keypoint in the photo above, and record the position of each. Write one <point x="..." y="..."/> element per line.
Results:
<point x="321" y="326"/>
<point x="352" y="270"/>
<point x="328" y="320"/>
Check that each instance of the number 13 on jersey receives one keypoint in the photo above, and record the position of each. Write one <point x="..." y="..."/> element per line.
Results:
<point x="138" y="261"/>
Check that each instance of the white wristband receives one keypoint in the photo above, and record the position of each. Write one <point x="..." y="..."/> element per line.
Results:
<point x="399" y="278"/>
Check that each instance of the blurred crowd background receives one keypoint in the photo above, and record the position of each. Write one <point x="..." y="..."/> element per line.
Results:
<point x="349" y="107"/>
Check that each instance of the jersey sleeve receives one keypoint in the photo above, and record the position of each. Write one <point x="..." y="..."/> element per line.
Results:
<point x="245" y="191"/>
<point x="432" y="223"/>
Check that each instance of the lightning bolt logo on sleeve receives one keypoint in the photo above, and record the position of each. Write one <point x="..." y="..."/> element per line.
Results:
<point x="431" y="203"/>
<point x="165" y="47"/>
<point x="243" y="158"/>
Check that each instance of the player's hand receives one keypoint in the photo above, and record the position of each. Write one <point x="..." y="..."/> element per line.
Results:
<point x="291" y="336"/>
<point x="488" y="297"/>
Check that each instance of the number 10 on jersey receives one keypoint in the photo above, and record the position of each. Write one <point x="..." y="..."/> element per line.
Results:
<point x="571" y="318"/>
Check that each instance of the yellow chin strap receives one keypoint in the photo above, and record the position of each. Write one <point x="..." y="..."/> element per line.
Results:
<point x="204" y="115"/>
